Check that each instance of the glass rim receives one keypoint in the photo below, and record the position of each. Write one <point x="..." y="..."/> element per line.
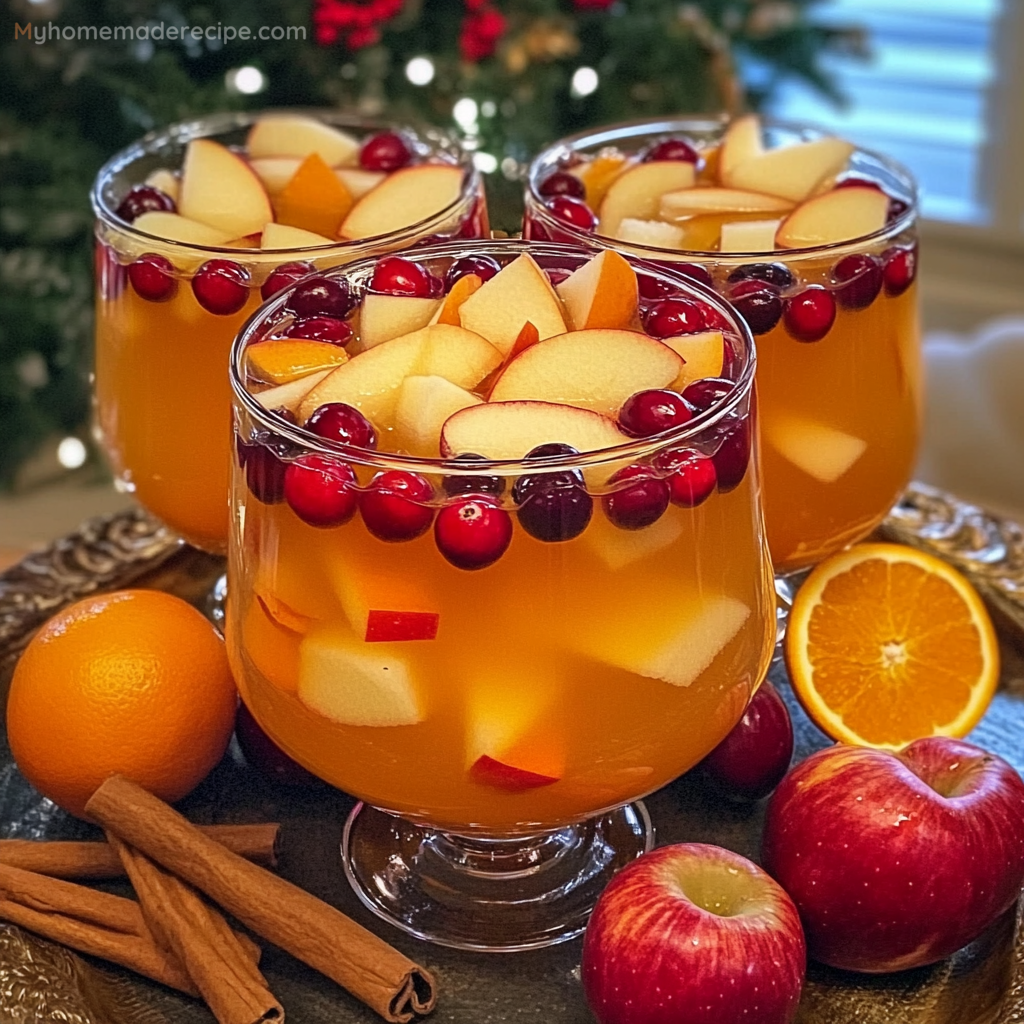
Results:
<point x="372" y="458"/>
<point x="608" y="134"/>
<point x="209" y="125"/>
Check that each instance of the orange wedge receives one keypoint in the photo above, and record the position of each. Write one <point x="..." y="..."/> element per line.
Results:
<point x="886" y="644"/>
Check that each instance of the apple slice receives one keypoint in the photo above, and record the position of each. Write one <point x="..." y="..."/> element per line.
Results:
<point x="288" y="396"/>
<point x="821" y="451"/>
<point x="749" y="236"/>
<point x="275" y="172"/>
<point x="596" y="370"/>
<point x="837" y="216"/>
<point x="175" y="228"/>
<point x="741" y="144"/>
<point x="220" y="189"/>
<point x="282" y="360"/>
<point x="167" y="181"/>
<point x="620" y="548"/>
<point x="294" y="135"/>
<point x="650" y="232"/>
<point x="383" y="605"/>
<point x="689" y="202"/>
<point x="600" y="294"/>
<point x="491" y="772"/>
<point x="637" y="192"/>
<point x="794" y="171"/>
<point x="284" y="236"/>
<point x="703" y="356"/>
<point x="352" y="684"/>
<point x="423" y="405"/>
<point x="314" y="199"/>
<point x="404" y="198"/>
<point x="520" y="291"/>
<point x="598" y="174"/>
<point x="448" y="311"/>
<point x="357" y="181"/>
<point x="383" y="317"/>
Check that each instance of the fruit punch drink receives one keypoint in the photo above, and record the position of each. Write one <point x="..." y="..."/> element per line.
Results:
<point x="505" y="571"/>
<point x="814" y="243"/>
<point x="199" y="223"/>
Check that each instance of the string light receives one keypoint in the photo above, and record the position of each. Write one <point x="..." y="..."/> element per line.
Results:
<point x="420" y="71"/>
<point x="246" y="80"/>
<point x="584" y="82"/>
<point x="485" y="162"/>
<point x="465" y="113"/>
<point x="71" y="453"/>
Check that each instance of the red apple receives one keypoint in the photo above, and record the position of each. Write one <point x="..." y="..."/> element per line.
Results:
<point x="751" y="761"/>
<point x="386" y="625"/>
<point x="266" y="756"/>
<point x="693" y="934"/>
<point x="896" y="860"/>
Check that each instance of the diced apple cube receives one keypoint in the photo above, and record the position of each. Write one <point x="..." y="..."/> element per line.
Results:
<point x="220" y="189"/>
<point x="749" y="236"/>
<point x="423" y="405"/>
<point x="821" y="451"/>
<point x="294" y="135"/>
<point x="654" y="233"/>
<point x="602" y="293"/>
<point x="621" y="548"/>
<point x="383" y="317"/>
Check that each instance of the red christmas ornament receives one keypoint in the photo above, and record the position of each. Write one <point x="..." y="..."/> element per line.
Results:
<point x="482" y="27"/>
<point x="356" y="23"/>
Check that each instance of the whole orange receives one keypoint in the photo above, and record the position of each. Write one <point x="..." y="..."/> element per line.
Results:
<point x="135" y="683"/>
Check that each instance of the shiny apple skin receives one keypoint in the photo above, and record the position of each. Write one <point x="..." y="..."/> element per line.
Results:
<point x="888" y="873"/>
<point x="653" y="956"/>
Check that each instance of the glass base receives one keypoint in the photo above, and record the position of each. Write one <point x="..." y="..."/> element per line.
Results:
<point x="489" y="894"/>
<point x="786" y="586"/>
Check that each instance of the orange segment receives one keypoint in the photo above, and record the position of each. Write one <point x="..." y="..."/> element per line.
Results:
<point x="282" y="360"/>
<point x="886" y="644"/>
<point x="315" y="199"/>
<point x="598" y="174"/>
<point x="461" y="290"/>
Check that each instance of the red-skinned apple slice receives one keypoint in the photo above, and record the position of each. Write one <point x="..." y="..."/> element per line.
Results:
<point x="593" y="369"/>
<point x="836" y="216"/>
<point x="519" y="292"/>
<point x="406" y="197"/>
<point x="491" y="772"/>
<point x="284" y="236"/>
<point x="292" y="135"/>
<point x="741" y="144"/>
<point x="637" y="193"/>
<point x="288" y="396"/>
<point x="702" y="354"/>
<point x="383" y="626"/>
<point x="601" y="294"/>
<point x="383" y="317"/>
<point x="424" y="404"/>
<point x="175" y="228"/>
<point x="689" y="202"/>
<point x="792" y="172"/>
<point x="749" y="236"/>
<point x="220" y="189"/>
<point x="275" y="172"/>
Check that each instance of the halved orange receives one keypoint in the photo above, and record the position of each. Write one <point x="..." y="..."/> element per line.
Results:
<point x="886" y="644"/>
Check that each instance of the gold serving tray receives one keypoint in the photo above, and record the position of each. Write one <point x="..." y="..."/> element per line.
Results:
<point x="983" y="984"/>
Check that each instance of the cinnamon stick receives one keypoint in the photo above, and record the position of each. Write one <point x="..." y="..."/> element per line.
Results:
<point x="96" y="860"/>
<point x="201" y="940"/>
<point x="309" y="929"/>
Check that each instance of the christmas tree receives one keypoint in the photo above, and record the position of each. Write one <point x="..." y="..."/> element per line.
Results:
<point x="513" y="75"/>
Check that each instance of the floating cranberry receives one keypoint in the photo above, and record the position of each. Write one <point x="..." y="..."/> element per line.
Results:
<point x="707" y="392"/>
<point x="859" y="277"/>
<point x="473" y="532"/>
<point x="535" y="232"/>
<point x="671" y="317"/>
<point x="557" y="275"/>
<point x="572" y="211"/>
<point x="455" y="485"/>
<point x="673" y="149"/>
<point x="144" y="199"/>
<point x="284" y="276"/>
<point x="693" y="476"/>
<point x="483" y="266"/>
<point x="561" y="183"/>
<point x="337" y="421"/>
<point x="859" y="183"/>
<point x="264" y="473"/>
<point x="777" y="274"/>
<point x="809" y="316"/>
<point x="395" y="508"/>
<point x="552" y="506"/>
<point x="900" y="269"/>
<point x="221" y="287"/>
<point x="385" y="152"/>
<point x="394" y="275"/>
<point x="152" y="276"/>
<point x="654" y="288"/>
<point x="897" y="207"/>
<point x="321" y="296"/>
<point x="733" y="453"/>
<point x="320" y="490"/>
<point x="263" y="754"/>
<point x="320" y="328"/>
<point x="758" y="302"/>
<point x="641" y="503"/>
<point x="651" y="412"/>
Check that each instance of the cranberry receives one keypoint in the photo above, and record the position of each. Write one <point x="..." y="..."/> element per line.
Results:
<point x="394" y="275"/>
<point x="385" y="152"/>
<point x="733" y="453"/>
<point x="556" y="276"/>
<point x="321" y="296"/>
<point x="395" y="505"/>
<point x="809" y="316"/>
<point x="751" y="761"/>
<point x="320" y="328"/>
<point x="693" y="476"/>
<point x="320" y="491"/>
<point x="144" y="199"/>
<point x="465" y="484"/>
<point x="473" y="532"/>
<point x="897" y="207"/>
<point x="707" y="392"/>
<point x="572" y="211"/>
<point x="152" y="276"/>
<point x="758" y="302"/>
<point x="673" y="149"/>
<point x="654" y="288"/>
<point x="671" y="317"/>
<point x="221" y="287"/>
<point x="693" y="271"/>
<point x="858" y="183"/>
<point x="641" y="503"/>
<point x="263" y="754"/>
<point x="562" y="184"/>
<point x="900" y="269"/>
<point x="552" y="506"/>
<point x="777" y="274"/>
<point x="859" y="277"/>
<point x="483" y="266"/>
<point x="533" y="231"/>
<point x="284" y="276"/>
<point x="651" y="412"/>
<point x="343" y="423"/>
<point x="264" y="473"/>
